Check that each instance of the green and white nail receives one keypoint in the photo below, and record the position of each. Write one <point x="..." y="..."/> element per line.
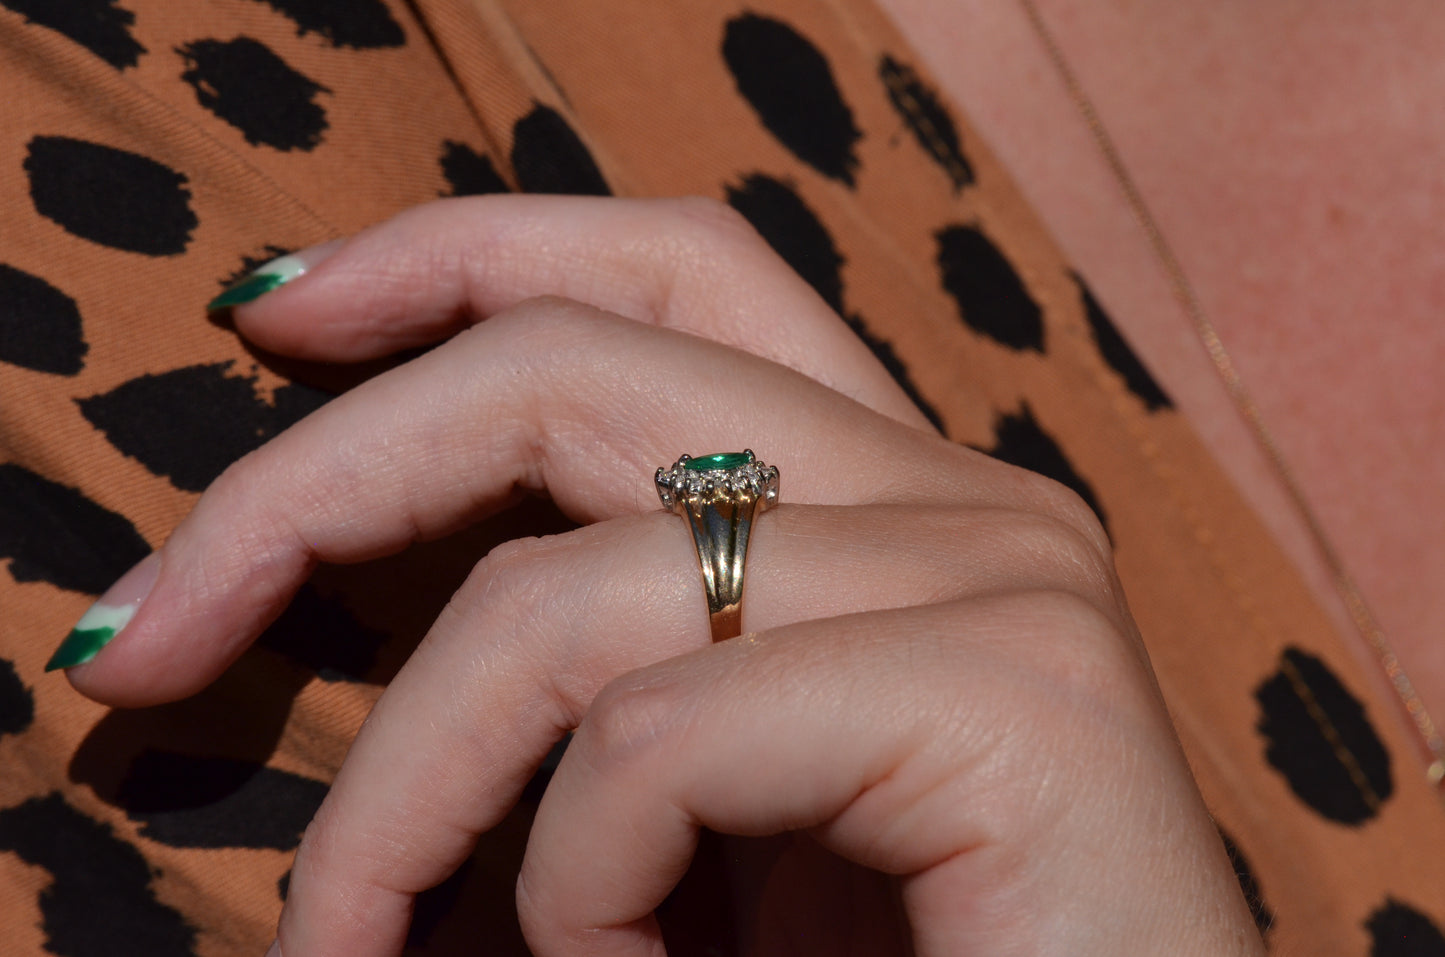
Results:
<point x="108" y="616"/>
<point x="274" y="274"/>
<point x="93" y="632"/>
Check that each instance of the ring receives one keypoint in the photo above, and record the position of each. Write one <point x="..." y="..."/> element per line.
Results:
<point x="719" y="495"/>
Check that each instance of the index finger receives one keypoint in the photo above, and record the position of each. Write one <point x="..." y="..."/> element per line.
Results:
<point x="692" y="264"/>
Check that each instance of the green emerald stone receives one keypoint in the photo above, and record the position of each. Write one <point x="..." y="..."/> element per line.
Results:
<point x="722" y="460"/>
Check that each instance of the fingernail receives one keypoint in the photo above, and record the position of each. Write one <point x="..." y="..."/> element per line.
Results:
<point x="105" y="619"/>
<point x="274" y="950"/>
<point x="274" y="274"/>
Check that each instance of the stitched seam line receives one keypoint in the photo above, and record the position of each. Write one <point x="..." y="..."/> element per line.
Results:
<point x="1321" y="718"/>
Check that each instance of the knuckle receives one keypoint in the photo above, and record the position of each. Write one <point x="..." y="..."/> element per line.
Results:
<point x="550" y="315"/>
<point x="1091" y="707"/>
<point x="631" y="718"/>
<point x="536" y="338"/>
<point x="328" y="854"/>
<point x="1074" y="552"/>
<point x="714" y="218"/>
<point x="712" y="243"/>
<point x="1098" y="691"/>
<point x="543" y="918"/>
<point x="536" y="598"/>
<point x="263" y="532"/>
<point x="396" y="850"/>
<point x="318" y="857"/>
<point x="1053" y="498"/>
<point x="1076" y="619"/>
<point x="513" y="578"/>
<point x="1079" y="654"/>
<point x="517" y="556"/>
<point x="544" y="337"/>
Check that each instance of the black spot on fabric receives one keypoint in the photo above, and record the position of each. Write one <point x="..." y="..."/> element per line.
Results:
<point x="245" y="84"/>
<point x="240" y="717"/>
<point x="17" y="704"/>
<point x="1398" y="930"/>
<point x="39" y="325"/>
<point x="794" y="231"/>
<point x="250" y="264"/>
<point x="788" y="82"/>
<point x="184" y="800"/>
<point x="109" y="196"/>
<point x="923" y="113"/>
<point x="1263" y="916"/>
<point x="796" y="234"/>
<point x="469" y="172"/>
<point x="190" y="423"/>
<point x="101" y="902"/>
<point x="1120" y="357"/>
<point x="53" y="533"/>
<point x="1021" y="441"/>
<point x="991" y="298"/>
<point x="549" y="157"/>
<point x="883" y="351"/>
<point x="322" y="634"/>
<point x="359" y="24"/>
<point x="101" y="26"/>
<point x="1321" y="741"/>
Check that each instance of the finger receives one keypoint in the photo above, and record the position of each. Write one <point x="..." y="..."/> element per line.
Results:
<point x="558" y="398"/>
<point x="907" y="750"/>
<point x="541" y="626"/>
<point x="691" y="264"/>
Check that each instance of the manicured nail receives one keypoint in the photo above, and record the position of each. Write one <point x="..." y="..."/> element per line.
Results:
<point x="108" y="616"/>
<point x="274" y="274"/>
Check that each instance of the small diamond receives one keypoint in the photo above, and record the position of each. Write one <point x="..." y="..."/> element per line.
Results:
<point x="724" y="476"/>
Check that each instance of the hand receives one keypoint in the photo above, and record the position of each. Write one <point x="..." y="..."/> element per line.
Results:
<point x="940" y="679"/>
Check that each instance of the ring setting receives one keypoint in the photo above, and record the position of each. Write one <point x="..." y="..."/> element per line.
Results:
<point x="720" y="495"/>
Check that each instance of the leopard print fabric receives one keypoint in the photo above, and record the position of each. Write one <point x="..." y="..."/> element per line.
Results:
<point x="152" y="152"/>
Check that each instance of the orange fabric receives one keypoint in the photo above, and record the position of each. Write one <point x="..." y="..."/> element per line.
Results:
<point x="651" y="98"/>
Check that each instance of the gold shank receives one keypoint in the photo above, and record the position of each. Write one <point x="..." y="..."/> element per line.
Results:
<point x="720" y="506"/>
<point x="721" y="530"/>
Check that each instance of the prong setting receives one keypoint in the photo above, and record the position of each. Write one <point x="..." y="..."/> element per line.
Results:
<point x="684" y="483"/>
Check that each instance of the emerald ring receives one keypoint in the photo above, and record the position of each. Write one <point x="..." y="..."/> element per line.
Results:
<point x="720" y="495"/>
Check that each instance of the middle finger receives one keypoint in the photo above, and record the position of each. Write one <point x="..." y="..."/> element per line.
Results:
<point x="550" y="396"/>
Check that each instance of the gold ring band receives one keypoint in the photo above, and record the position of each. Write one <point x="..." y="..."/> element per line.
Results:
<point x="720" y="495"/>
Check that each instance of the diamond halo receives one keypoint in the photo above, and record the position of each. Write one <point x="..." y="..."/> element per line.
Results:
<point x="738" y="477"/>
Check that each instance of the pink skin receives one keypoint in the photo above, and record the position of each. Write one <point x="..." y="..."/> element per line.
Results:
<point x="893" y="732"/>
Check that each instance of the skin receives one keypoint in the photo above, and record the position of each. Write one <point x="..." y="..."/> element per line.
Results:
<point x="979" y="721"/>
<point x="1288" y="151"/>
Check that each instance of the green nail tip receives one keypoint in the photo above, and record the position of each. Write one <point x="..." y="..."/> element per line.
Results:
<point x="252" y="287"/>
<point x="81" y="645"/>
